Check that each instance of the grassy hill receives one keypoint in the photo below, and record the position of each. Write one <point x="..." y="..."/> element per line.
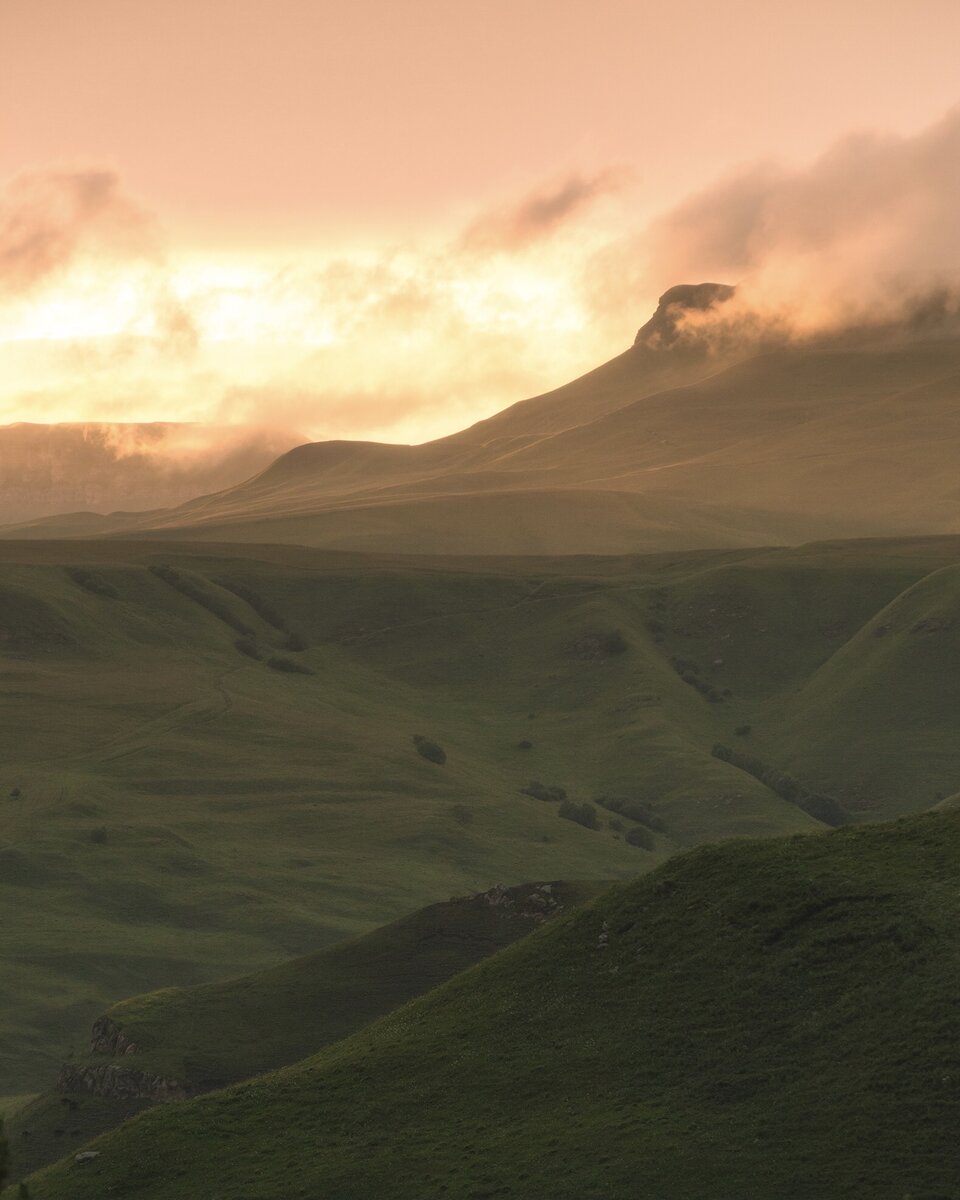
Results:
<point x="661" y="448"/>
<point x="761" y="1018"/>
<point x="211" y="764"/>
<point x="182" y="1041"/>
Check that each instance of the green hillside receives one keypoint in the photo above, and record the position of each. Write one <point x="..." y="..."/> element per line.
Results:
<point x="762" y="1018"/>
<point x="181" y="1041"/>
<point x="210" y="760"/>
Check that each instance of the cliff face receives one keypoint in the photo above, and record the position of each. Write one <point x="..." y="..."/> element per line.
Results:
<point x="107" y="1037"/>
<point x="663" y="328"/>
<point x="113" y="1080"/>
<point x="118" y="1083"/>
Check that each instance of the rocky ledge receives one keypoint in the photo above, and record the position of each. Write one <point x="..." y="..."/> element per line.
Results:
<point x="119" y="1083"/>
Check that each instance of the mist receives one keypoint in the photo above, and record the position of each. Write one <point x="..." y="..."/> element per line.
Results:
<point x="406" y="341"/>
<point x="867" y="234"/>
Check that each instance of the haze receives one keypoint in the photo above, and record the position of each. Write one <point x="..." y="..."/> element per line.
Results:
<point x="388" y="221"/>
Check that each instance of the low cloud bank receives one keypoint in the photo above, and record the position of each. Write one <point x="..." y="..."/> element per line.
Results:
<point x="865" y="235"/>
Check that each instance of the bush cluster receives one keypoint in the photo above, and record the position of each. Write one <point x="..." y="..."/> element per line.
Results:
<point x="636" y="810"/>
<point x="265" y="610"/>
<point x="429" y="750"/>
<point x="689" y="672"/>
<point x="816" y="804"/>
<point x="614" y="642"/>
<point x="639" y="836"/>
<point x="584" y="814"/>
<point x="193" y="591"/>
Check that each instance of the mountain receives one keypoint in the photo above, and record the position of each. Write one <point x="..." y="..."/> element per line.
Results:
<point x="759" y="1018"/>
<point x="102" y="468"/>
<point x="181" y="1041"/>
<point x="220" y="757"/>
<point x="677" y="443"/>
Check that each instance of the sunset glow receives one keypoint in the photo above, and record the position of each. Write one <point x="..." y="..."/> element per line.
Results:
<point x="299" y="230"/>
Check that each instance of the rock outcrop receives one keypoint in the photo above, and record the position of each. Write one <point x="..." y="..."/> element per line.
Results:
<point x="118" y="1083"/>
<point x="664" y="327"/>
<point x="113" y="1080"/>
<point x="108" y="1038"/>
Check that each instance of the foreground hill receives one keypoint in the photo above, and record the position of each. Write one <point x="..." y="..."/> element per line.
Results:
<point x="755" y="1019"/>
<point x="211" y="761"/>
<point x="670" y="445"/>
<point x="91" y="468"/>
<point x="180" y="1041"/>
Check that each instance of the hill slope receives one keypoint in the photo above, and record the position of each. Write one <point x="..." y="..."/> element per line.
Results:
<point x="177" y="810"/>
<point x="178" y="1041"/>
<point x="754" y="1019"/>
<point x="667" y="446"/>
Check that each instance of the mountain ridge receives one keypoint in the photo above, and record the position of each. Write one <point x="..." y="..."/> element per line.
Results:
<point x="671" y="444"/>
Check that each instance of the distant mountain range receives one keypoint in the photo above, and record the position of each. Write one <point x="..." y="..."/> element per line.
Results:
<point x="101" y="467"/>
<point x="670" y="445"/>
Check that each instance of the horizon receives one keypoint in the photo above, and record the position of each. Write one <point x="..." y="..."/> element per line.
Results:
<point x="194" y="275"/>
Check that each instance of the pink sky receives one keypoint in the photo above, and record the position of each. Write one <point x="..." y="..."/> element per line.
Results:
<point x="439" y="177"/>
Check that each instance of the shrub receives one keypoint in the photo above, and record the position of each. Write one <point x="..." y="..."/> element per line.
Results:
<point x="743" y="730"/>
<point x="296" y="643"/>
<point x="248" y="647"/>
<point x="615" y="643"/>
<point x="616" y="825"/>
<point x="815" y="804"/>
<point x="429" y="750"/>
<point x="584" y="814"/>
<point x="540" y="791"/>
<point x="461" y="814"/>
<point x="287" y="664"/>
<point x="638" y="836"/>
<point x="636" y="810"/>
<point x="689" y="672"/>
<point x="193" y="590"/>
<point x="525" y="745"/>
<point x="99" y="835"/>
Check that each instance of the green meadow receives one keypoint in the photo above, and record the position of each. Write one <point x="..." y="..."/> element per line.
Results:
<point x="761" y="1018"/>
<point x="177" y="810"/>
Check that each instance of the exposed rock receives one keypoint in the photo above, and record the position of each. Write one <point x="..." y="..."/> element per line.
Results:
<point x="108" y="1038"/>
<point x="534" y="902"/>
<point x="86" y="1156"/>
<point x="119" y="1083"/>
<point x="663" y="328"/>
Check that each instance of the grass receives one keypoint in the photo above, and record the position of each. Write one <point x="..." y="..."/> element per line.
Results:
<point x="760" y="1018"/>
<point x="208" y="1036"/>
<point x="174" y="812"/>
<point x="10" y="1106"/>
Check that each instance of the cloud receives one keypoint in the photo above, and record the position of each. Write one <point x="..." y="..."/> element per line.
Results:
<point x="50" y="216"/>
<point x="512" y="227"/>
<point x="863" y="235"/>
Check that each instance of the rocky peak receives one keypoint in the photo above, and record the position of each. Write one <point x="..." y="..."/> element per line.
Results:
<point x="662" y="328"/>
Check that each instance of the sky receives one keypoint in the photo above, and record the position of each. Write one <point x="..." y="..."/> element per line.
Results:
<point x="389" y="219"/>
